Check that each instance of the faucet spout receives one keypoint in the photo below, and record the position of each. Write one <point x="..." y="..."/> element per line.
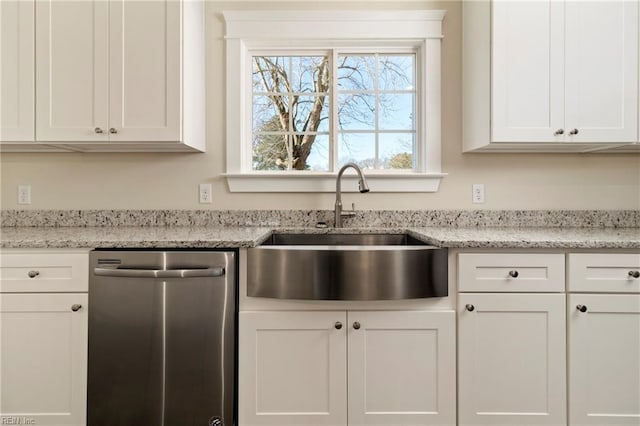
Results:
<point x="362" y="185"/>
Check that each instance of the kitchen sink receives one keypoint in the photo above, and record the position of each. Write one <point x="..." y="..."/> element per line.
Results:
<point x="332" y="266"/>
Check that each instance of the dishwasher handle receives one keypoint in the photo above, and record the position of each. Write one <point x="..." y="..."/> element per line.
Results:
<point x="159" y="273"/>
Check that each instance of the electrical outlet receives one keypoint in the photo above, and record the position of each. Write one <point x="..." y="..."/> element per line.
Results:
<point x="477" y="193"/>
<point x="206" y="197"/>
<point x="24" y="194"/>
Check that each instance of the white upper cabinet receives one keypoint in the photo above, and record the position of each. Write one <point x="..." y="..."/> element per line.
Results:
<point x="16" y="71"/>
<point x="550" y="75"/>
<point x="601" y="71"/>
<point x="145" y="71"/>
<point x="528" y="87"/>
<point x="72" y="79"/>
<point x="120" y="75"/>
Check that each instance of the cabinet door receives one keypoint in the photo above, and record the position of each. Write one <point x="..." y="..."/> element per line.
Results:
<point x="292" y="368"/>
<point x="401" y="368"/>
<point x="72" y="70"/>
<point x="16" y="70"/>
<point x="604" y="354"/>
<point x="145" y="51"/>
<point x="602" y="71"/>
<point x="511" y="359"/>
<point x="43" y="369"/>
<point x="527" y="71"/>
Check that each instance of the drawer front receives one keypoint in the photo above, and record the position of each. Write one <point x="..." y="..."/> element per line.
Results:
<point x="512" y="272"/>
<point x="604" y="272"/>
<point x="44" y="272"/>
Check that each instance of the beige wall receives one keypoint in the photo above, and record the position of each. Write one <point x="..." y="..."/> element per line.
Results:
<point x="169" y="181"/>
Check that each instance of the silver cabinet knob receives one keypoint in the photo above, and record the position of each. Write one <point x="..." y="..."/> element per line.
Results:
<point x="469" y="307"/>
<point x="573" y="132"/>
<point x="338" y="325"/>
<point x="356" y="325"/>
<point x="33" y="274"/>
<point x="558" y="132"/>
<point x="513" y="274"/>
<point x="98" y="130"/>
<point x="581" y="308"/>
<point x="113" y="131"/>
<point x="76" y="307"/>
<point x="634" y="274"/>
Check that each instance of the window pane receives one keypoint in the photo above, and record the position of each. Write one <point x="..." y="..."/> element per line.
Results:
<point x="396" y="150"/>
<point x="309" y="74"/>
<point x="356" y="111"/>
<point x="318" y="160"/>
<point x="270" y="152"/>
<point x="304" y="145"/>
<point x="266" y="117"/>
<point x="396" y="111"/>
<point x="396" y="72"/>
<point x="359" y="148"/>
<point x="311" y="113"/>
<point x="356" y="72"/>
<point x="291" y="127"/>
<point x="270" y="73"/>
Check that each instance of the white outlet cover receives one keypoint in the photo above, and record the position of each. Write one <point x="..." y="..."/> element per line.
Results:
<point x="24" y="194"/>
<point x="477" y="193"/>
<point x="205" y="193"/>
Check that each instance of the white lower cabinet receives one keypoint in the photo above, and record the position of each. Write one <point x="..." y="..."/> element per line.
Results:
<point x="43" y="337"/>
<point x="511" y="359"/>
<point x="604" y="359"/>
<point x="43" y="364"/>
<point x="347" y="368"/>
<point x="292" y="368"/>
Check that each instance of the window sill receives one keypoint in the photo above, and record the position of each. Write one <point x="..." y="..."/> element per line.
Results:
<point x="326" y="182"/>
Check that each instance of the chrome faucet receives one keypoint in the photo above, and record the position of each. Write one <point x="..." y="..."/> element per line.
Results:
<point x="362" y="184"/>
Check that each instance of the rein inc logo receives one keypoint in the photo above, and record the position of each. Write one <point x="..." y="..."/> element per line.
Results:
<point x="17" y="420"/>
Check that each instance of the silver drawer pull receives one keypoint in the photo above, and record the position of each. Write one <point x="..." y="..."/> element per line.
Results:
<point x="98" y="130"/>
<point x="76" y="307"/>
<point x="634" y="274"/>
<point x="338" y="325"/>
<point x="33" y="274"/>
<point x="356" y="325"/>
<point x="513" y="274"/>
<point x="582" y="308"/>
<point x="469" y="307"/>
<point x="159" y="273"/>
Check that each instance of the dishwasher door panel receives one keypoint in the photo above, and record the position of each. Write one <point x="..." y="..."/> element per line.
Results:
<point x="161" y="351"/>
<point x="195" y="380"/>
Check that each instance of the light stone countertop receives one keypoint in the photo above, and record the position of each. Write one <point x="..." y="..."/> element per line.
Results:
<point x="540" y="237"/>
<point x="234" y="237"/>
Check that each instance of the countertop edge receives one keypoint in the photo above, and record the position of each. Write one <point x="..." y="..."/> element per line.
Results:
<point x="248" y="237"/>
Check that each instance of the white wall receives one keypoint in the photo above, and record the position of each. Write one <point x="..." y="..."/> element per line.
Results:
<point x="169" y="181"/>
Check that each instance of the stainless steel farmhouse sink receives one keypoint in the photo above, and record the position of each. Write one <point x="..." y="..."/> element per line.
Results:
<point x="346" y="267"/>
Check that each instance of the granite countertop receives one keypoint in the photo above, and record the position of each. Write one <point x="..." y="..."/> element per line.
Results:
<point x="232" y="237"/>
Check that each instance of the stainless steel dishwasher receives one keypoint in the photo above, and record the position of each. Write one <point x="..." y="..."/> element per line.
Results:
<point x="162" y="328"/>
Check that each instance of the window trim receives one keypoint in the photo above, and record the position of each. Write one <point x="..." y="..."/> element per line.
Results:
<point x="246" y="30"/>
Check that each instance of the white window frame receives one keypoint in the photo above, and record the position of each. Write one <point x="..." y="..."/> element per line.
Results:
<point x="247" y="30"/>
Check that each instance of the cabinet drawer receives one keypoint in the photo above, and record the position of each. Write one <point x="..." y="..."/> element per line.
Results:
<point x="604" y="272"/>
<point x="513" y="272"/>
<point x="44" y="272"/>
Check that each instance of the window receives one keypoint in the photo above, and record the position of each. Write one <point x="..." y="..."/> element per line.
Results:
<point x="308" y="93"/>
